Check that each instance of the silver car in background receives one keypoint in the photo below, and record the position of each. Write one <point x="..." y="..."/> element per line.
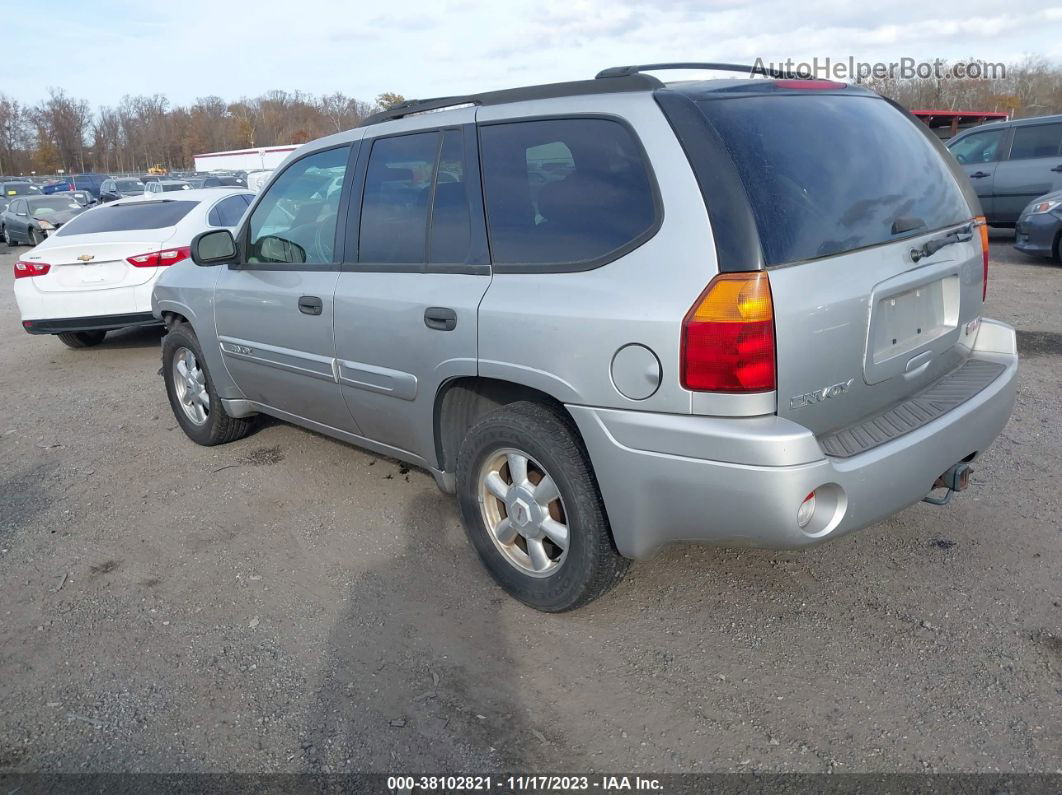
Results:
<point x="614" y="314"/>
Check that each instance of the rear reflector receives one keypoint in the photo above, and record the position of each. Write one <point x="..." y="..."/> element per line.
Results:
<point x="983" y="225"/>
<point x="24" y="269"/>
<point x="728" y="336"/>
<point x="156" y="259"/>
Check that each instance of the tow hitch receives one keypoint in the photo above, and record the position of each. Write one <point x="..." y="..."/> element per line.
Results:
<point x="957" y="478"/>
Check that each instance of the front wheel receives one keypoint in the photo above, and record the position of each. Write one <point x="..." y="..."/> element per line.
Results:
<point x="194" y="400"/>
<point x="36" y="237"/>
<point x="532" y="510"/>
<point x="81" y="339"/>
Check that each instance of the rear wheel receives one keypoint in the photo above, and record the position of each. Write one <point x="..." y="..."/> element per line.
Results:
<point x="81" y="339"/>
<point x="194" y="400"/>
<point x="530" y="505"/>
<point x="8" y="240"/>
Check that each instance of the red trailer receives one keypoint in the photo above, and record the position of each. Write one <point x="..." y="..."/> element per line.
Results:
<point x="948" y="123"/>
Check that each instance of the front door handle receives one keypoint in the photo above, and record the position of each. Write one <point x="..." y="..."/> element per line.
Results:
<point x="440" y="318"/>
<point x="310" y="305"/>
<point x="979" y="174"/>
<point x="1057" y="168"/>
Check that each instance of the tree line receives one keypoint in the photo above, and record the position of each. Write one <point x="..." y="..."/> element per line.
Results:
<point x="63" y="132"/>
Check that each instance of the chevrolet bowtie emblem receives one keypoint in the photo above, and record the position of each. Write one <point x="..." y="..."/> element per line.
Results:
<point x="86" y="257"/>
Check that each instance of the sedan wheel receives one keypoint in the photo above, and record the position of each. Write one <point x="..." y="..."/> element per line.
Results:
<point x="36" y="238"/>
<point x="189" y="382"/>
<point x="7" y="238"/>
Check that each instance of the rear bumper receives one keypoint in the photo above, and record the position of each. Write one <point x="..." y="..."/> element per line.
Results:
<point x="95" y="323"/>
<point x="667" y="478"/>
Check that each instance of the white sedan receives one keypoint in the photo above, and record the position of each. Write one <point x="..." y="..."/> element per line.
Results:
<point x="96" y="273"/>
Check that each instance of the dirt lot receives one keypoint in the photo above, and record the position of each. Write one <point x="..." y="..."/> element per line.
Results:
<point x="288" y="603"/>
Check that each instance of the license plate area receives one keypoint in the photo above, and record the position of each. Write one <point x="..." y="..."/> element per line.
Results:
<point x="913" y="317"/>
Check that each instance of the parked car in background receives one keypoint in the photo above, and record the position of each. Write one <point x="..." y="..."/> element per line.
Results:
<point x="120" y="187"/>
<point x="1039" y="227"/>
<point x="89" y="182"/>
<point x="691" y="322"/>
<point x="256" y="180"/>
<point x="97" y="273"/>
<point x="215" y="181"/>
<point x="1011" y="163"/>
<point x="18" y="188"/>
<point x="31" y="219"/>
<point x="82" y="197"/>
<point x="165" y="186"/>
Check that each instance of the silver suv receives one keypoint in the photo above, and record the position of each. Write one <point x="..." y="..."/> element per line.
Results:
<point x="613" y="314"/>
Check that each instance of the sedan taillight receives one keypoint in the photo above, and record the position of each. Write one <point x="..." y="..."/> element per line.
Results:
<point x="24" y="269"/>
<point x="156" y="259"/>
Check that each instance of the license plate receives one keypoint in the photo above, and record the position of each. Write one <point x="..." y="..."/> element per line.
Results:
<point x="91" y="274"/>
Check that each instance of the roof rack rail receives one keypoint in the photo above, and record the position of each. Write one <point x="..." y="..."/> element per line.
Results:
<point x="622" y="83"/>
<point x="627" y="71"/>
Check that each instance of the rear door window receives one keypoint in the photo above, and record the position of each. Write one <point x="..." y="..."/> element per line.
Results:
<point x="565" y="192"/>
<point x="117" y="217"/>
<point x="227" y="212"/>
<point x="826" y="174"/>
<point x="1041" y="140"/>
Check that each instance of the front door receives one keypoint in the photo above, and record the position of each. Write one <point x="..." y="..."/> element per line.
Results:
<point x="979" y="154"/>
<point x="275" y="308"/>
<point x="408" y="296"/>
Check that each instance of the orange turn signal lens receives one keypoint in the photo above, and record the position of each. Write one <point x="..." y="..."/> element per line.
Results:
<point x="735" y="298"/>
<point x="982" y="224"/>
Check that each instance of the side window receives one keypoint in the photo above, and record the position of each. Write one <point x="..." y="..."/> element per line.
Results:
<point x="18" y="206"/>
<point x="227" y="212"/>
<point x="564" y="191"/>
<point x="450" y="222"/>
<point x="394" y="210"/>
<point x="981" y="147"/>
<point x="295" y="222"/>
<point x="1042" y="140"/>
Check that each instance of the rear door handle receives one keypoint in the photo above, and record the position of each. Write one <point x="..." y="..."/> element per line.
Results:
<point x="979" y="174"/>
<point x="440" y="318"/>
<point x="310" y="305"/>
<point x="1057" y="168"/>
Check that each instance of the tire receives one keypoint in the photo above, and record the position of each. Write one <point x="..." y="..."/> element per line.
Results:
<point x="36" y="238"/>
<point x="8" y="240"/>
<point x="567" y="577"/>
<point x="81" y="339"/>
<point x="215" y="426"/>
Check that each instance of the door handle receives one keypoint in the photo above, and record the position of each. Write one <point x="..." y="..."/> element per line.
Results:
<point x="440" y="318"/>
<point x="979" y="174"/>
<point x="310" y="305"/>
<point x="1057" y="168"/>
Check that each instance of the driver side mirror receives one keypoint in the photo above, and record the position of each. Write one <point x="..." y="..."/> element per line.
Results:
<point x="213" y="247"/>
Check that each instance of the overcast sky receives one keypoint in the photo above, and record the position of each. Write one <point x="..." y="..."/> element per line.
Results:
<point x="102" y="49"/>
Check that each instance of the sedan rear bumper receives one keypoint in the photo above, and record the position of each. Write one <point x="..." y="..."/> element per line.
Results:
<point x="95" y="323"/>
<point x="746" y="484"/>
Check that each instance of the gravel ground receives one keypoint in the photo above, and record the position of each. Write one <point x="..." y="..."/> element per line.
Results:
<point x="289" y="603"/>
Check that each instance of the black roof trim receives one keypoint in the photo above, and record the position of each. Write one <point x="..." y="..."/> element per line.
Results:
<point x="629" y="83"/>
<point x="629" y="71"/>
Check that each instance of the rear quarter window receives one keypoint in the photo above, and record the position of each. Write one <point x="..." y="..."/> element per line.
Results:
<point x="565" y="193"/>
<point x="827" y="174"/>
<point x="128" y="217"/>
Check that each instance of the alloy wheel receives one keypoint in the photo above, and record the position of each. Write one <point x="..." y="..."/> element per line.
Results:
<point x="189" y="382"/>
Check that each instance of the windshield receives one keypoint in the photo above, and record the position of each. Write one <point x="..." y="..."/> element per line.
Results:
<point x="50" y="205"/>
<point x="171" y="186"/>
<point x="826" y="174"/>
<point x="130" y="185"/>
<point x="152" y="214"/>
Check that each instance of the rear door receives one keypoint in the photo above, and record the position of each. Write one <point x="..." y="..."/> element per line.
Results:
<point x="274" y="311"/>
<point x="979" y="154"/>
<point x="861" y="321"/>
<point x="406" y="303"/>
<point x="1033" y="169"/>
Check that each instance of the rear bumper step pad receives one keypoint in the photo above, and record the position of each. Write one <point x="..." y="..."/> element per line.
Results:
<point x="934" y="401"/>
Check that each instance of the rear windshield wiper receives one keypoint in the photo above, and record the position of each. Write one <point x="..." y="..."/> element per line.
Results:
<point x="931" y="247"/>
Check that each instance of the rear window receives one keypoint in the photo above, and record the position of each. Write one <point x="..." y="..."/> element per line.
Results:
<point x="128" y="217"/>
<point x="565" y="192"/>
<point x="827" y="174"/>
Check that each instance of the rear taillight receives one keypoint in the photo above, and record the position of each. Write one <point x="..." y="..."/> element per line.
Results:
<point x="156" y="259"/>
<point x="728" y="336"/>
<point x="24" y="270"/>
<point x="982" y="224"/>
